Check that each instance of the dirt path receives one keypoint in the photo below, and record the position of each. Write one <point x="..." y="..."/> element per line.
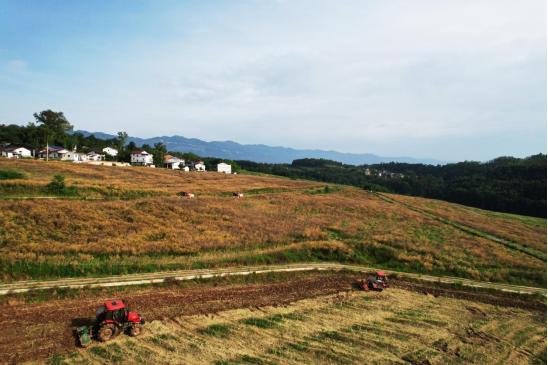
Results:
<point x="159" y="277"/>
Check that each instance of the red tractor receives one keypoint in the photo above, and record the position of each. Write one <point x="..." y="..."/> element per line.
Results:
<point x="379" y="282"/>
<point x="112" y="319"/>
<point x="238" y="195"/>
<point x="185" y="194"/>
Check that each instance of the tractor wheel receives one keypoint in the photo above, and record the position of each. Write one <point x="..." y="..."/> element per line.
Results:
<point x="136" y="330"/>
<point x="107" y="332"/>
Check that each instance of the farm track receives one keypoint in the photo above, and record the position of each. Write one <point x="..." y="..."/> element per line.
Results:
<point x="36" y="331"/>
<point x="163" y="276"/>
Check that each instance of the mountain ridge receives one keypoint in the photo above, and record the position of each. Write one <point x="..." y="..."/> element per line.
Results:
<point x="260" y="152"/>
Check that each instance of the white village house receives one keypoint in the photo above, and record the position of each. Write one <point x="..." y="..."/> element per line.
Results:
<point x="74" y="157"/>
<point x="224" y="168"/>
<point x="13" y="151"/>
<point x="199" y="165"/>
<point x="96" y="155"/>
<point x="111" y="151"/>
<point x="64" y="155"/>
<point x="53" y="152"/>
<point x="173" y="162"/>
<point x="141" y="157"/>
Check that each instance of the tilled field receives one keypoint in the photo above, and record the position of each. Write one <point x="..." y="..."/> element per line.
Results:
<point x="38" y="330"/>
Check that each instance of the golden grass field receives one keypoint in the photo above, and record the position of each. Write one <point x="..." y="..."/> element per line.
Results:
<point x="280" y="221"/>
<point x="392" y="327"/>
<point x="117" y="180"/>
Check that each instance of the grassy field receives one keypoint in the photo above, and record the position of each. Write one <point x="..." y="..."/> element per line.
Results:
<point x="526" y="231"/>
<point x="392" y="327"/>
<point x="136" y="224"/>
<point x="119" y="182"/>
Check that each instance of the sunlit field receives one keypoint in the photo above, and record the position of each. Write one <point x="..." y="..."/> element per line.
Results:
<point x="278" y="221"/>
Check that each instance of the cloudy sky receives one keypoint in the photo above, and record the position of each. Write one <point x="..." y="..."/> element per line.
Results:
<point x="450" y="80"/>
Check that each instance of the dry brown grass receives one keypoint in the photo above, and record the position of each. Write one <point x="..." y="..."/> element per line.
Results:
<point x="141" y="179"/>
<point x="394" y="326"/>
<point x="86" y="237"/>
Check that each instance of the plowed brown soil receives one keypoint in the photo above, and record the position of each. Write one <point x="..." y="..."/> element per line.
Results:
<point x="34" y="331"/>
<point x="39" y="330"/>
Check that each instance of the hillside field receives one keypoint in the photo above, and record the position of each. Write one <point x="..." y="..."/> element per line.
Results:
<point x="128" y="219"/>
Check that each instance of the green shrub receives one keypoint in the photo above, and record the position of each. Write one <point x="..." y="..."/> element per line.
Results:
<point x="57" y="184"/>
<point x="10" y="175"/>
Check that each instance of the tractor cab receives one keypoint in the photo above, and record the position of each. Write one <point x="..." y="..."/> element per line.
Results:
<point x="185" y="194"/>
<point x="380" y="276"/>
<point x="238" y="195"/>
<point x="113" y="310"/>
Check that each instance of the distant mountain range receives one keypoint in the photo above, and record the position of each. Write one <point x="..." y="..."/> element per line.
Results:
<point x="260" y="152"/>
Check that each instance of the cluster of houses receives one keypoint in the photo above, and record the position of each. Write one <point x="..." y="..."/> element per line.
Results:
<point x="65" y="155"/>
<point x="385" y="174"/>
<point x="144" y="158"/>
<point x="140" y="157"/>
<point x="9" y="150"/>
<point x="174" y="162"/>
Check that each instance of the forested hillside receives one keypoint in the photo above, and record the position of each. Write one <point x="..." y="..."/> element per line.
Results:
<point x="505" y="184"/>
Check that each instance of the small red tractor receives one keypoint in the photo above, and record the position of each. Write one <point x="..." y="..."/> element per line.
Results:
<point x="112" y="319"/>
<point x="378" y="283"/>
<point x="238" y="195"/>
<point x="185" y="194"/>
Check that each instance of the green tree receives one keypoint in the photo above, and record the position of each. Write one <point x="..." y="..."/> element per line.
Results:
<point x="52" y="124"/>
<point x="122" y="138"/>
<point x="147" y="148"/>
<point x="159" y="153"/>
<point x="190" y="156"/>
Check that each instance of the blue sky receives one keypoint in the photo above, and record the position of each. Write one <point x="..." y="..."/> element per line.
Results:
<point x="451" y="80"/>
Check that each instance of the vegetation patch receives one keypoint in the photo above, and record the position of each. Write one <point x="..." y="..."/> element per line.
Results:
<point x="11" y="175"/>
<point x="259" y="322"/>
<point x="111" y="353"/>
<point x="162" y="340"/>
<point x="216" y="330"/>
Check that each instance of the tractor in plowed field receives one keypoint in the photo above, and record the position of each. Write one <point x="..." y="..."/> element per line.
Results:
<point x="185" y="194"/>
<point x="378" y="283"/>
<point x="111" y="319"/>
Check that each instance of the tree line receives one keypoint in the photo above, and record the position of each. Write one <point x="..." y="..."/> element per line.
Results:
<point x="505" y="184"/>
